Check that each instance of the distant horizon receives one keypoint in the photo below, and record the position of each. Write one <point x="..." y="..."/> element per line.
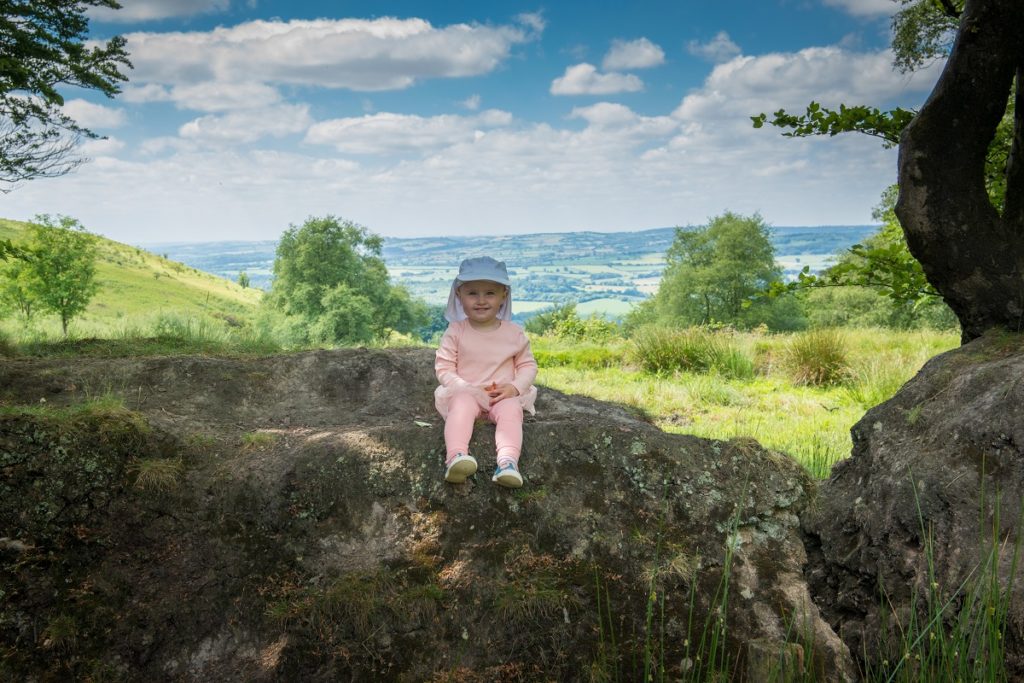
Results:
<point x="508" y="235"/>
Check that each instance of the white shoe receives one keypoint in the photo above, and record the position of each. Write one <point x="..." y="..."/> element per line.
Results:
<point x="461" y="466"/>
<point x="508" y="475"/>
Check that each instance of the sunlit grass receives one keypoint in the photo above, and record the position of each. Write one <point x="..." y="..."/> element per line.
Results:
<point x="809" y="423"/>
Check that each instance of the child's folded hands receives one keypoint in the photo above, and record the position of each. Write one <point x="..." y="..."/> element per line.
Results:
<point x="499" y="392"/>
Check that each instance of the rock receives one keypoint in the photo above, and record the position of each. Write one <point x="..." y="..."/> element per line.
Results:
<point x="909" y="521"/>
<point x="328" y="547"/>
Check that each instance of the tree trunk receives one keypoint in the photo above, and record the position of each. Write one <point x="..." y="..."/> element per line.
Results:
<point x="972" y="255"/>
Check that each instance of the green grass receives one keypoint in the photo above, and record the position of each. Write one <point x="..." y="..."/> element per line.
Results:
<point x="163" y="334"/>
<point x="808" y="422"/>
<point x="136" y="287"/>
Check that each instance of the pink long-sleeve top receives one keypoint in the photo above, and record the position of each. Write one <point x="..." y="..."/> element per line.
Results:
<point x="469" y="359"/>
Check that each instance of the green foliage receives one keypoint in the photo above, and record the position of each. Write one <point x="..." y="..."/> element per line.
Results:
<point x="44" y="49"/>
<point x="331" y="283"/>
<point x="923" y="31"/>
<point x="818" y="120"/>
<point x="60" y="273"/>
<point x="563" y="322"/>
<point x="19" y="288"/>
<point x="718" y="274"/>
<point x="431" y="330"/>
<point x="552" y="352"/>
<point x="660" y="350"/>
<point x="546" y="320"/>
<point x="881" y="265"/>
<point x="817" y="357"/>
<point x="243" y="280"/>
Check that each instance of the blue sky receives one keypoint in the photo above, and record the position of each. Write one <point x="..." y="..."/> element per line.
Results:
<point x="243" y="117"/>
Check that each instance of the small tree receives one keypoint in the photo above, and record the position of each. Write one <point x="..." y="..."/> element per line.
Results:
<point x="17" y="287"/>
<point x="329" y="273"/>
<point x="718" y="272"/>
<point x="243" y="280"/>
<point x="63" y="266"/>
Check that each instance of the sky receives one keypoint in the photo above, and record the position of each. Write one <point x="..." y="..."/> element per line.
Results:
<point x="242" y="118"/>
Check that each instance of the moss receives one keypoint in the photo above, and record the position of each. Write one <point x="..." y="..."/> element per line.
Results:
<point x="67" y="493"/>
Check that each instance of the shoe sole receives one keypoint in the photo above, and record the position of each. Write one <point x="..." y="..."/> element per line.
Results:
<point x="508" y="481"/>
<point x="460" y="471"/>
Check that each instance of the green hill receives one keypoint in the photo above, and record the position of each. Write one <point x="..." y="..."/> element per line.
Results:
<point x="137" y="286"/>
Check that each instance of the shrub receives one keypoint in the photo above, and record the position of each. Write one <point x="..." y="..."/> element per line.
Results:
<point x="592" y="328"/>
<point x="660" y="350"/>
<point x="818" y="357"/>
<point x="545" y="321"/>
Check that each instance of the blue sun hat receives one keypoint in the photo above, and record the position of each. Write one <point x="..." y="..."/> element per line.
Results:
<point x="479" y="268"/>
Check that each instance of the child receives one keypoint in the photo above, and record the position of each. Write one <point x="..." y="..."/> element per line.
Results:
<point x="485" y="367"/>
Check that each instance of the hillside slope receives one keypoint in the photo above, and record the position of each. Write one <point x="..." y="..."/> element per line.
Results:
<point x="135" y="283"/>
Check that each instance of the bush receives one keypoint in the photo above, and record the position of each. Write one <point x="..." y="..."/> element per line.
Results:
<point x="660" y="350"/>
<point x="818" y="357"/>
<point x="593" y="328"/>
<point x="564" y="322"/>
<point x="545" y="321"/>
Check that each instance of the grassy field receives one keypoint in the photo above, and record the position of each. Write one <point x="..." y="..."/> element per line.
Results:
<point x="137" y="289"/>
<point x="810" y="422"/>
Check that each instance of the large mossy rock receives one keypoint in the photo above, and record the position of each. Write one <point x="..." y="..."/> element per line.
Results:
<point x="310" y="536"/>
<point x="923" y="523"/>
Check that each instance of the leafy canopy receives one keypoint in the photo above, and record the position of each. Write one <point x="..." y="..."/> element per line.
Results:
<point x="57" y="273"/>
<point x="718" y="273"/>
<point x="42" y="48"/>
<point x="328" y="273"/>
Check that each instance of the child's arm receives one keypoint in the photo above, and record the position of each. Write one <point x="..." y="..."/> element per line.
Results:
<point x="446" y="362"/>
<point x="526" y="367"/>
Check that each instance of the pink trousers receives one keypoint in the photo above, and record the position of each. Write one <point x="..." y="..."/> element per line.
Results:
<point x="506" y="414"/>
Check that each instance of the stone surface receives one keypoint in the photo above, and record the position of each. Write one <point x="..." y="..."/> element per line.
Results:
<point x="937" y="473"/>
<point x="310" y="535"/>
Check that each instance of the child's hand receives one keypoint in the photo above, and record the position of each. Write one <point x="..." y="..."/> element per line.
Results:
<point x="499" y="392"/>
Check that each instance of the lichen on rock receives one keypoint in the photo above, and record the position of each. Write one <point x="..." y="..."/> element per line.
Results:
<point x="335" y="550"/>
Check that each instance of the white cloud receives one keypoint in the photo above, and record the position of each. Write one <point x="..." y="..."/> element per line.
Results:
<point x="387" y="133"/>
<point x="533" y="20"/>
<point x="633" y="54"/>
<point x="100" y="148"/>
<point x="865" y="8"/>
<point x="829" y="75"/>
<point x="249" y="125"/>
<point x="146" y="10"/>
<point x="718" y="49"/>
<point x="209" y="96"/>
<point x="94" y="115"/>
<point x="610" y="167"/>
<point x="584" y="79"/>
<point x="472" y="102"/>
<point x="364" y="55"/>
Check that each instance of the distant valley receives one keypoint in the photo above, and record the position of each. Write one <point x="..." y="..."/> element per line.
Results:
<point x="604" y="272"/>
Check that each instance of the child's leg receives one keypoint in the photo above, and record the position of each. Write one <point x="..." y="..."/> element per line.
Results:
<point x="507" y="415"/>
<point x="458" y="426"/>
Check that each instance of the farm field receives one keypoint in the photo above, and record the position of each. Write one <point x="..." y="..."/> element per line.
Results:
<point x="606" y="273"/>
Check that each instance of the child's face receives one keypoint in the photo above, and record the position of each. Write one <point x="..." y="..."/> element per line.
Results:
<point x="481" y="299"/>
